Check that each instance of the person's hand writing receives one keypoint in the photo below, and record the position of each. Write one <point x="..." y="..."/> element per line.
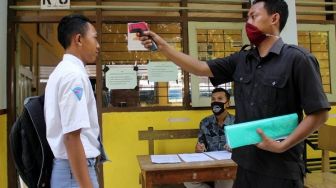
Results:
<point x="269" y="144"/>
<point x="200" y="147"/>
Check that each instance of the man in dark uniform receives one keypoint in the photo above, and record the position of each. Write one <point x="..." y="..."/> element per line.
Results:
<point x="270" y="79"/>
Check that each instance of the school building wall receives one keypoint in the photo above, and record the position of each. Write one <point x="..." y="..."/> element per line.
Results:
<point x="120" y="129"/>
<point x="3" y="151"/>
<point x="120" y="137"/>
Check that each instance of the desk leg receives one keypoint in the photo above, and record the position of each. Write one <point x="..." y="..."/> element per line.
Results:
<point x="148" y="182"/>
<point x="143" y="182"/>
<point x="149" y="185"/>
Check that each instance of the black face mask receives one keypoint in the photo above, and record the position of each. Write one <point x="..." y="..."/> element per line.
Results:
<point x="217" y="108"/>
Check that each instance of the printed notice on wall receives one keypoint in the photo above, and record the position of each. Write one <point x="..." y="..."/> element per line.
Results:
<point x="121" y="78"/>
<point x="55" y="4"/>
<point x="162" y="71"/>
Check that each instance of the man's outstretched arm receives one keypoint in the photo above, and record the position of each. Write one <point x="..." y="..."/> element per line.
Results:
<point x="186" y="62"/>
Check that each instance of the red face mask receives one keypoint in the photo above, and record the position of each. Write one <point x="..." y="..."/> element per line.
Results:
<point x="254" y="34"/>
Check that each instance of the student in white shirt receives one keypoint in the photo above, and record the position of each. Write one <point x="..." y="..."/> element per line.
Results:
<point x="70" y="107"/>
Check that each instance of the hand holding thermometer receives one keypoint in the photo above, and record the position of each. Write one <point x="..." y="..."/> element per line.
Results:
<point x="140" y="27"/>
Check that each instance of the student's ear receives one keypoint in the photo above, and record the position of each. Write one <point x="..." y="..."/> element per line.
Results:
<point x="227" y="105"/>
<point x="77" y="39"/>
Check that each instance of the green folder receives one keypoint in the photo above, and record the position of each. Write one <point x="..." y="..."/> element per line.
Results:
<point x="243" y="134"/>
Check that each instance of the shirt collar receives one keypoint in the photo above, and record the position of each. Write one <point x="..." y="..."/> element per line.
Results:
<point x="275" y="49"/>
<point x="277" y="46"/>
<point x="227" y="120"/>
<point x="73" y="59"/>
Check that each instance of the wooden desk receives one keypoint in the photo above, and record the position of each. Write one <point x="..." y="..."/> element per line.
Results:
<point x="157" y="174"/>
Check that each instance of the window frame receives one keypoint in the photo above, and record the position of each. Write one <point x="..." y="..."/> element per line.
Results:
<point x="147" y="108"/>
<point x="330" y="28"/>
<point x="196" y="99"/>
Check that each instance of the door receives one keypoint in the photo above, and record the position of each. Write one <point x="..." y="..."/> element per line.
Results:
<point x="24" y="74"/>
<point x="24" y="67"/>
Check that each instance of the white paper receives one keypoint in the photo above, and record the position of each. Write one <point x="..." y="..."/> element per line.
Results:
<point x="163" y="71"/>
<point x="219" y="155"/>
<point x="159" y="159"/>
<point x="121" y="78"/>
<point x="194" y="157"/>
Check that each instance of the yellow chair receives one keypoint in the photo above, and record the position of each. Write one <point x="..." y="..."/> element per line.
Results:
<point x="326" y="142"/>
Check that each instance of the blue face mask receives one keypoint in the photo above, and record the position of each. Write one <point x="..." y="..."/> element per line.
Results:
<point x="217" y="108"/>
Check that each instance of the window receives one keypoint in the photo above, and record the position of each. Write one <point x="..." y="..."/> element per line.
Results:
<point x="115" y="55"/>
<point x="320" y="41"/>
<point x="209" y="41"/>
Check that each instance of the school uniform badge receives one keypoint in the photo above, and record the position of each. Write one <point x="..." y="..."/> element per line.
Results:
<point x="78" y="91"/>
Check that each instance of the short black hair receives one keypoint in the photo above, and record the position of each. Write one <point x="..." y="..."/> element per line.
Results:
<point x="276" y="6"/>
<point x="69" y="26"/>
<point x="219" y="89"/>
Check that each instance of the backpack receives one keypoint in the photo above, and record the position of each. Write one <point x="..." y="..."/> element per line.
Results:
<point x="30" y="150"/>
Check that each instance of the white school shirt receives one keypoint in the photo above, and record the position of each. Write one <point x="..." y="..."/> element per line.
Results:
<point x="70" y="105"/>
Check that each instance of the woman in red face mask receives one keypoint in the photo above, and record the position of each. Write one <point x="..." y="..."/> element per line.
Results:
<point x="270" y="79"/>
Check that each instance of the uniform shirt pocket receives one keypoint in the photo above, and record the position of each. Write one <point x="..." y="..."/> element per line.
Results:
<point x="274" y="89"/>
<point x="242" y="85"/>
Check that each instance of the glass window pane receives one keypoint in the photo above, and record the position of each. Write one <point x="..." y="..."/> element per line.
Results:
<point x="216" y="43"/>
<point x="317" y="43"/>
<point x="146" y="93"/>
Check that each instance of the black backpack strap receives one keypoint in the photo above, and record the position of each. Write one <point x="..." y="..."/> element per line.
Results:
<point x="36" y="112"/>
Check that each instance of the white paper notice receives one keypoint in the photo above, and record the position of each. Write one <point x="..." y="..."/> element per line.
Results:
<point x="162" y="71"/>
<point x="121" y="78"/>
<point x="219" y="155"/>
<point x="194" y="157"/>
<point x="165" y="159"/>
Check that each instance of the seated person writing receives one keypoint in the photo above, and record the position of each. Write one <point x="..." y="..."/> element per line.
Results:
<point x="211" y="135"/>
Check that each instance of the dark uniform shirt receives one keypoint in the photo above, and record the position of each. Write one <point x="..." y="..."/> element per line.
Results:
<point x="287" y="80"/>
<point x="211" y="134"/>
